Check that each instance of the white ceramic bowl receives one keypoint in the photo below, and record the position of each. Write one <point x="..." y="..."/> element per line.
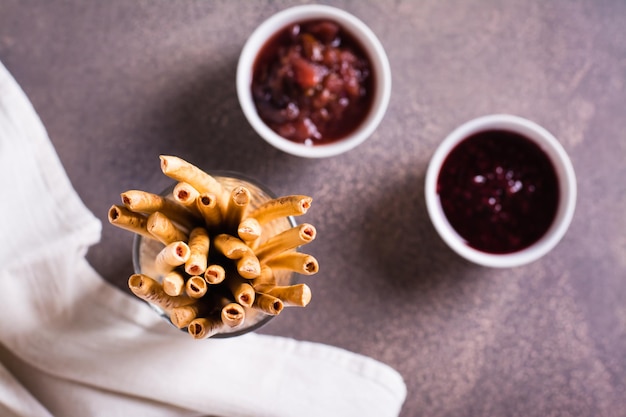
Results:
<point x="565" y="177"/>
<point x="380" y="70"/>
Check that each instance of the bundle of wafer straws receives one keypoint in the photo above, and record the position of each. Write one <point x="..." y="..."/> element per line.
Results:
<point x="218" y="260"/>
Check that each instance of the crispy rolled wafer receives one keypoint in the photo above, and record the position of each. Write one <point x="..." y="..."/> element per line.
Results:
<point x="185" y="195"/>
<point x="162" y="229"/>
<point x="292" y="205"/>
<point x="151" y="291"/>
<point x="173" y="283"/>
<point x="251" y="262"/>
<point x="242" y="291"/>
<point x="182" y="316"/>
<point x="268" y="304"/>
<point x="199" y="244"/>
<point x="171" y="256"/>
<point x="249" y="266"/>
<point x="265" y="279"/>
<point x="145" y="202"/>
<point x="209" y="209"/>
<point x="195" y="287"/>
<point x="125" y="219"/>
<point x="298" y="295"/>
<point x="249" y="230"/>
<point x="204" y="327"/>
<point x="233" y="315"/>
<point x="214" y="274"/>
<point x="183" y="171"/>
<point x="237" y="203"/>
<point x="230" y="246"/>
<point x="301" y="263"/>
<point x="287" y="240"/>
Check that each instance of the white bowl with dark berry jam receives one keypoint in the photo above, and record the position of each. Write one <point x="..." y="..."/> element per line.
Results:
<point x="500" y="191"/>
<point x="313" y="81"/>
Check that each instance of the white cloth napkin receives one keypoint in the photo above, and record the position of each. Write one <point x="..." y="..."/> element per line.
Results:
<point x="73" y="345"/>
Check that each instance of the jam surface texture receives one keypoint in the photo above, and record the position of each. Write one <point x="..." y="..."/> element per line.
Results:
<point x="499" y="191"/>
<point x="312" y="83"/>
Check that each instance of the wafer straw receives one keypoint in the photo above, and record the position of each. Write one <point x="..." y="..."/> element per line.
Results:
<point x="196" y="287"/>
<point x="199" y="244"/>
<point x="242" y="291"/>
<point x="173" y="283"/>
<point x="214" y="274"/>
<point x="181" y="170"/>
<point x="248" y="266"/>
<point x="301" y="263"/>
<point x="205" y="327"/>
<point x="268" y="304"/>
<point x="233" y="315"/>
<point x="249" y="230"/>
<point x="293" y="205"/>
<point x="151" y="291"/>
<point x="185" y="195"/>
<point x="265" y="279"/>
<point x="287" y="240"/>
<point x="182" y="316"/>
<point x="291" y="295"/>
<point x="162" y="229"/>
<point x="123" y="218"/>
<point x="209" y="209"/>
<point x="237" y="203"/>
<point x="171" y="256"/>
<point x="230" y="246"/>
<point x="144" y="202"/>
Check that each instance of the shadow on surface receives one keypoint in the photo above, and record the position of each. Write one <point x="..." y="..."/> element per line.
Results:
<point x="202" y="121"/>
<point x="402" y="243"/>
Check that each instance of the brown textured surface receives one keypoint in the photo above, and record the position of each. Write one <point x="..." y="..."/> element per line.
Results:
<point x="117" y="83"/>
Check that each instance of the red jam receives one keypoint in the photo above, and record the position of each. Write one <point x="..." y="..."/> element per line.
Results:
<point x="312" y="83"/>
<point x="499" y="191"/>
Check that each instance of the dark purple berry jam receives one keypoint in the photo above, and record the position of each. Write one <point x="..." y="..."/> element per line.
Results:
<point x="499" y="191"/>
<point x="312" y="82"/>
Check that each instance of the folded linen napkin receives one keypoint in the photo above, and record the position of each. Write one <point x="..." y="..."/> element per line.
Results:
<point x="73" y="345"/>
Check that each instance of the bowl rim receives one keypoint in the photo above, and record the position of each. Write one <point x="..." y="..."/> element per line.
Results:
<point x="565" y="175"/>
<point x="368" y="40"/>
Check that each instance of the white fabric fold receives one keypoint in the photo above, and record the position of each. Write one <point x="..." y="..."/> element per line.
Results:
<point x="67" y="334"/>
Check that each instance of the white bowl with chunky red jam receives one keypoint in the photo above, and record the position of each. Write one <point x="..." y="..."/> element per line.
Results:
<point x="313" y="81"/>
<point x="501" y="191"/>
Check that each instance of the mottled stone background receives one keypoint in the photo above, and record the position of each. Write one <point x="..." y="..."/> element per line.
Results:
<point x="119" y="82"/>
